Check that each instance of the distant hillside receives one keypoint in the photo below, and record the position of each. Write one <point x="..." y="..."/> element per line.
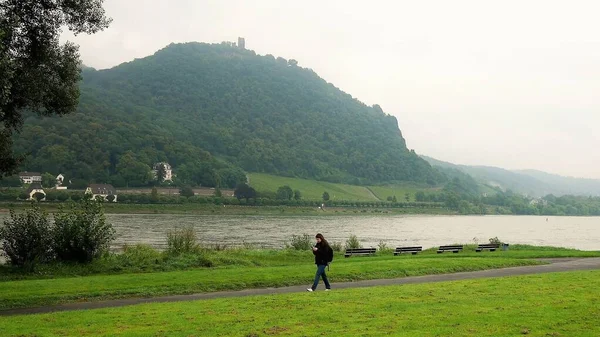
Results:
<point x="211" y="109"/>
<point x="567" y="185"/>
<point x="530" y="182"/>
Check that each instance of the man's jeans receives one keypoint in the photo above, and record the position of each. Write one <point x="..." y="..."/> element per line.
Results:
<point x="321" y="273"/>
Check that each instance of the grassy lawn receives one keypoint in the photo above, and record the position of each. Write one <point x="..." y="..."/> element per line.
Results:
<point x="147" y="273"/>
<point x="51" y="291"/>
<point x="311" y="189"/>
<point x="558" y="304"/>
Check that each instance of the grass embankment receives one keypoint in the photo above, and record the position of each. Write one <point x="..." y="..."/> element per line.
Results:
<point x="400" y="191"/>
<point x="240" y="269"/>
<point x="311" y="189"/>
<point x="559" y="304"/>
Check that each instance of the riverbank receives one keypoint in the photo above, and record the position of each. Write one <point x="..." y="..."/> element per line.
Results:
<point x="209" y="209"/>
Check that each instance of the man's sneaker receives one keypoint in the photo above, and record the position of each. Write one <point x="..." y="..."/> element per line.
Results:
<point x="309" y="289"/>
<point x="327" y="289"/>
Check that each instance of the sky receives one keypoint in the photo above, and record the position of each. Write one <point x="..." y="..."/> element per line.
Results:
<point x="513" y="84"/>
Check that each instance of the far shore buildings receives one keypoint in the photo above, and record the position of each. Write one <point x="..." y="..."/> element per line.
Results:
<point x="168" y="171"/>
<point x="105" y="191"/>
<point x="60" y="179"/>
<point x="33" y="189"/>
<point x="30" y="177"/>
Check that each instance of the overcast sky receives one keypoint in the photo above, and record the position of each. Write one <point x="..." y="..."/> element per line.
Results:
<point x="514" y="84"/>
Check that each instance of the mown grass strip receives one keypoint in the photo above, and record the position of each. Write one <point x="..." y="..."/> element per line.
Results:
<point x="52" y="291"/>
<point x="558" y="304"/>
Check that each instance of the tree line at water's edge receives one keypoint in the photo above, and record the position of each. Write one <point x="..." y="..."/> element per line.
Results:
<point x="446" y="201"/>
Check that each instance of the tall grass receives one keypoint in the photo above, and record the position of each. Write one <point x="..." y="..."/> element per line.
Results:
<point x="300" y="242"/>
<point x="353" y="242"/>
<point x="182" y="241"/>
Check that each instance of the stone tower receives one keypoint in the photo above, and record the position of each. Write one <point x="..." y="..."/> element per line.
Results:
<point x="241" y="43"/>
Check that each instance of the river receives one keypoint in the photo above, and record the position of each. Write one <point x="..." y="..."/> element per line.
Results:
<point x="422" y="230"/>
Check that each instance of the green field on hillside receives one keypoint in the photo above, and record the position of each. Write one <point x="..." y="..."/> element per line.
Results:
<point x="311" y="189"/>
<point x="400" y="191"/>
<point x="557" y="304"/>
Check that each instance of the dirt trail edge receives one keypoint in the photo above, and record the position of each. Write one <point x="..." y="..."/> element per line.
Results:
<point x="556" y="265"/>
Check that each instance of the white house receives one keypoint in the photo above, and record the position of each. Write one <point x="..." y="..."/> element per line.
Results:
<point x="30" y="177"/>
<point x="168" y="171"/>
<point x="102" y="190"/>
<point x="33" y="189"/>
<point x="59" y="182"/>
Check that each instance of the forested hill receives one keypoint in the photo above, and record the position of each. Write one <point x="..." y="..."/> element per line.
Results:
<point x="259" y="113"/>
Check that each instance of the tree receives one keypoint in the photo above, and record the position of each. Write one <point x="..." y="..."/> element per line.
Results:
<point x="394" y="199"/>
<point x="325" y="196"/>
<point x="133" y="171"/>
<point x="186" y="191"/>
<point x="420" y="196"/>
<point x="36" y="72"/>
<point x="111" y="198"/>
<point x="48" y="180"/>
<point x="243" y="191"/>
<point x="25" y="237"/>
<point x="285" y="193"/>
<point x="39" y="196"/>
<point x="81" y="232"/>
<point x="78" y="184"/>
<point x="218" y="193"/>
<point x="154" y="195"/>
<point x="297" y="195"/>
<point x="407" y="197"/>
<point x="11" y="181"/>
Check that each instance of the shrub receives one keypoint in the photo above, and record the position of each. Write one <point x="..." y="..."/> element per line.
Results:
<point x="285" y="193"/>
<point x="186" y="191"/>
<point x="76" y="196"/>
<point x="26" y="238"/>
<point x="62" y="196"/>
<point x="140" y="255"/>
<point x="301" y="242"/>
<point x="495" y="241"/>
<point x="81" y="232"/>
<point x="352" y="242"/>
<point x="39" y="196"/>
<point x="382" y="247"/>
<point x="337" y="246"/>
<point x="182" y="241"/>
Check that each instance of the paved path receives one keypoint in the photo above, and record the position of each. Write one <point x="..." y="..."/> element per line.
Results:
<point x="555" y="265"/>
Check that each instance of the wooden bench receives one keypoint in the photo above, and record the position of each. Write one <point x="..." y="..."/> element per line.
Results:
<point x="489" y="246"/>
<point x="405" y="250"/>
<point x="360" y="251"/>
<point x="454" y="249"/>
